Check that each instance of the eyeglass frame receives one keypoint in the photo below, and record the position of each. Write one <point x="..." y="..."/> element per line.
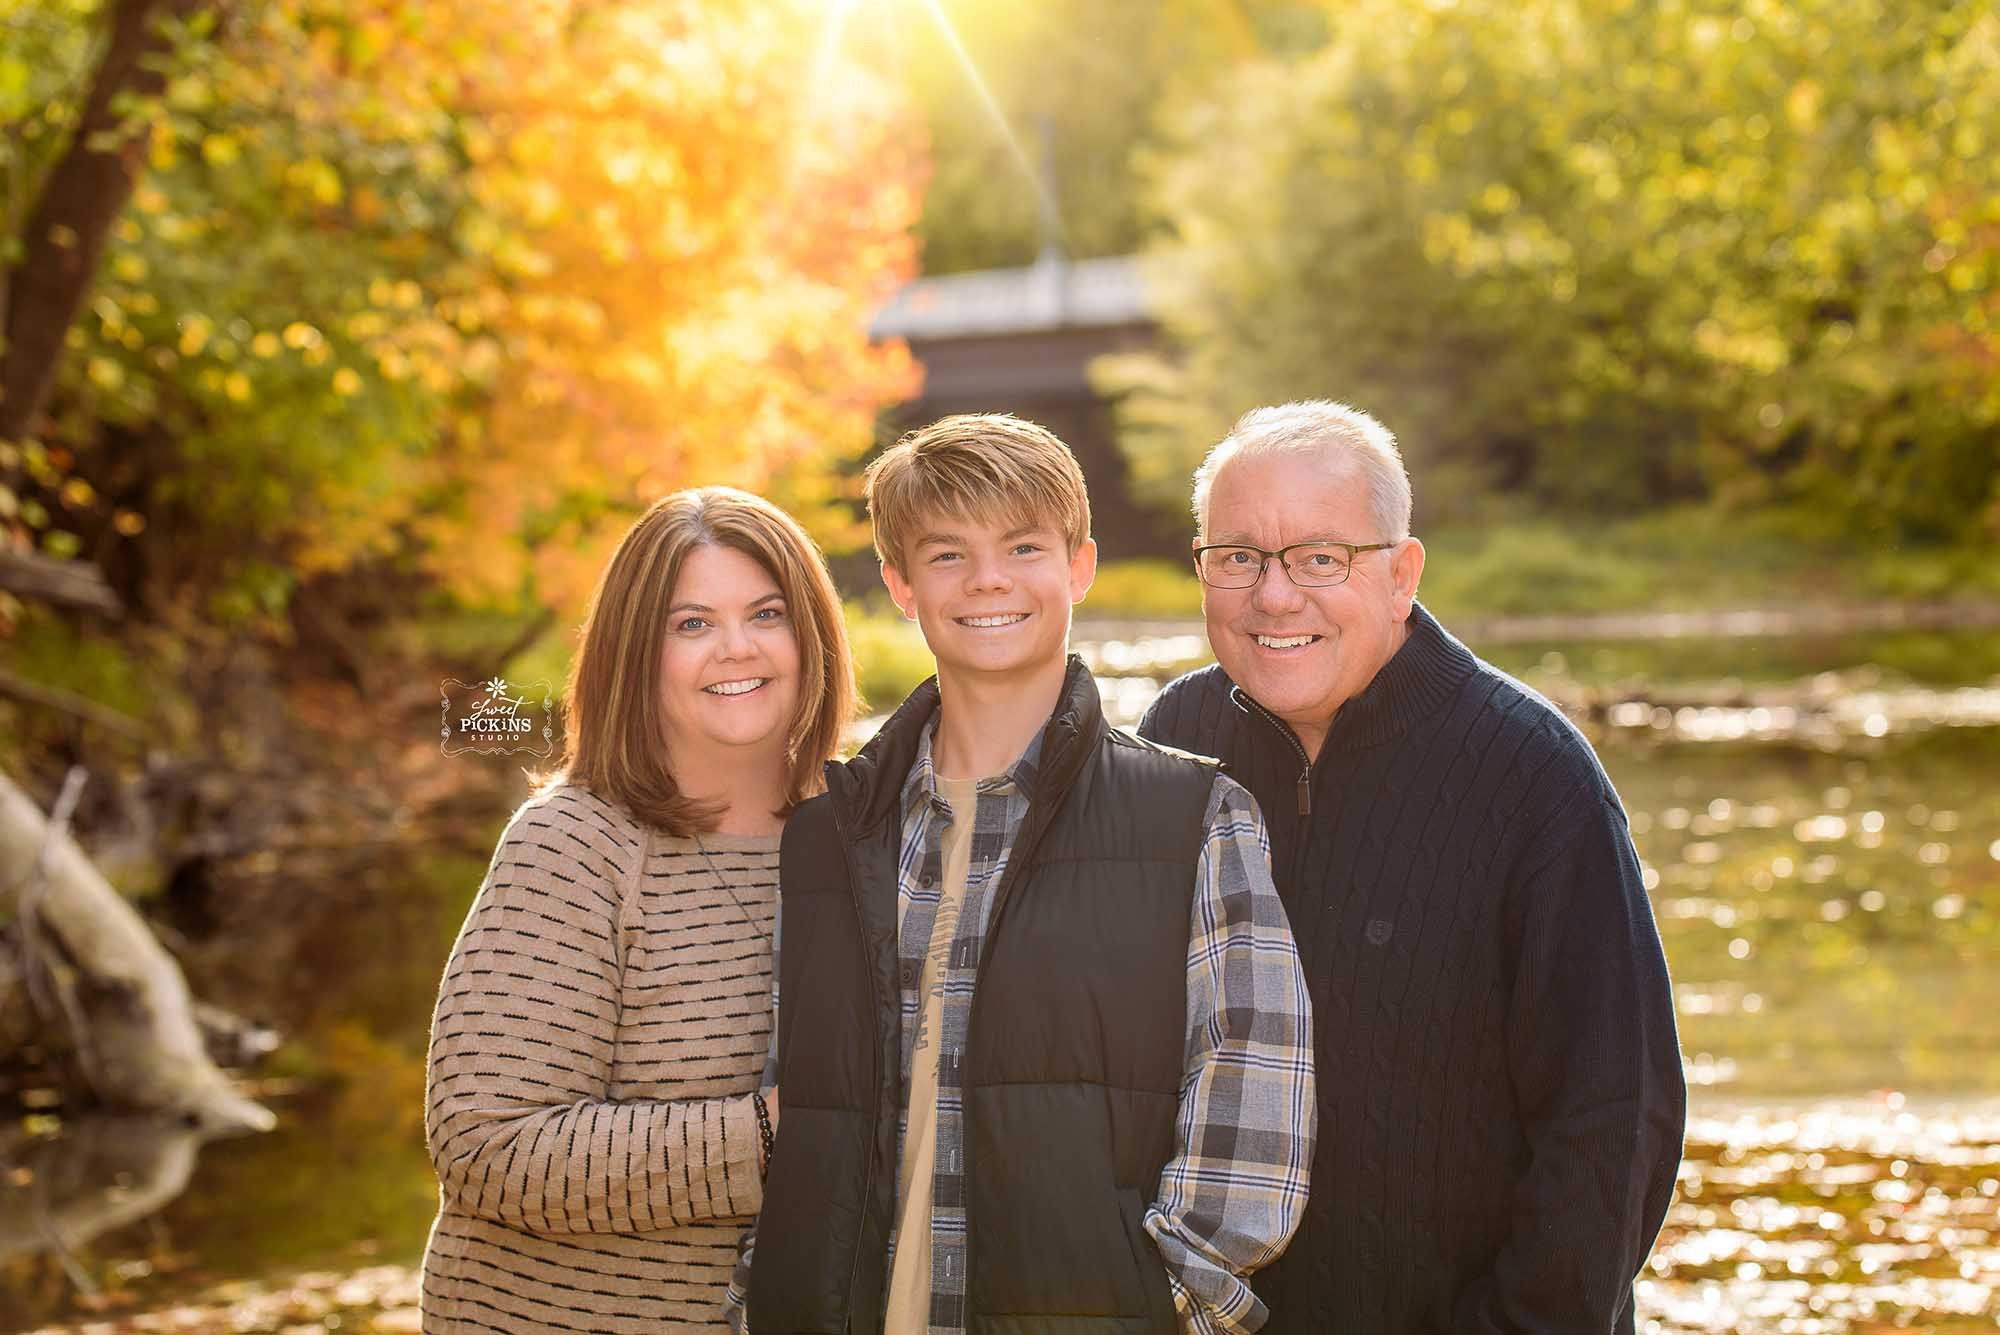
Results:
<point x="1265" y="556"/>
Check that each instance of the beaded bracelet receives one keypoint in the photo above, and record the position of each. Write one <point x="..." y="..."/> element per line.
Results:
<point x="764" y="1132"/>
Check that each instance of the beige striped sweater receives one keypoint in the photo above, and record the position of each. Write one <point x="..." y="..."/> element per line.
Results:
<point x="602" y="1023"/>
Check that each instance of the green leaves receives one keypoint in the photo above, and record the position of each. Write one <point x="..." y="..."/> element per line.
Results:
<point x="1608" y="255"/>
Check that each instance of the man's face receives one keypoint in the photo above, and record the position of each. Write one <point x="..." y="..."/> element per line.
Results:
<point x="1303" y="652"/>
<point x="993" y="598"/>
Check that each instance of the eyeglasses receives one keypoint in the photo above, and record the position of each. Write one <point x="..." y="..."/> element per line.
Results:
<point x="1310" y="565"/>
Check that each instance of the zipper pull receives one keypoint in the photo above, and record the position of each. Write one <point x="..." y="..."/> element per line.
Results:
<point x="1305" y="791"/>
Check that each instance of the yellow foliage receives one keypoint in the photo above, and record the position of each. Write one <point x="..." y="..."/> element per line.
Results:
<point x="220" y="150"/>
<point x="485" y="280"/>
<point x="105" y="373"/>
<point x="681" y="252"/>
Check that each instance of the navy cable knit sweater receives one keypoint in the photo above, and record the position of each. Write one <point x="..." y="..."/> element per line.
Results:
<point x="1500" y="1092"/>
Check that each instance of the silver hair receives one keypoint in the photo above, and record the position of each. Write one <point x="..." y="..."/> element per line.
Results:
<point x="1335" y="432"/>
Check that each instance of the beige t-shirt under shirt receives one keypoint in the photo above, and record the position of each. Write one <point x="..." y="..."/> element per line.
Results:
<point x="910" y="1279"/>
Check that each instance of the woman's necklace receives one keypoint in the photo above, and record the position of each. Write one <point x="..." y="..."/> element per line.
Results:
<point x="723" y="881"/>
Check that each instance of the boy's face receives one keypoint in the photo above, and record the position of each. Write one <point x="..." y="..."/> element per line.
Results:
<point x="992" y="598"/>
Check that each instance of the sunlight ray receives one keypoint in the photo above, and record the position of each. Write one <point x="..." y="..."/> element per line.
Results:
<point x="999" y="118"/>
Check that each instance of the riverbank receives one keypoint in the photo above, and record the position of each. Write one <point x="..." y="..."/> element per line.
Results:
<point x="1739" y="622"/>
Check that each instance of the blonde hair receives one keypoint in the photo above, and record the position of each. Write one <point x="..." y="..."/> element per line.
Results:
<point x="615" y="740"/>
<point x="1335" y="432"/>
<point x="985" y="467"/>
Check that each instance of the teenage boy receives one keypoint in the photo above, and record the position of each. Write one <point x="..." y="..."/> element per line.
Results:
<point x="1046" y="1049"/>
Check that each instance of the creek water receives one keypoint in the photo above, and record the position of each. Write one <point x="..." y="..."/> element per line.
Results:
<point x="1819" y="822"/>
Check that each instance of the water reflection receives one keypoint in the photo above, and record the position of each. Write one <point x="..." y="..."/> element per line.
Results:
<point x="1833" y="1217"/>
<point x="101" y="1172"/>
<point x="1823" y="712"/>
<point x="1829" y="916"/>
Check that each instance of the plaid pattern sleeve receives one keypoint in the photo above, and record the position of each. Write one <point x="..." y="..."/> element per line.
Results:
<point x="1234" y="1192"/>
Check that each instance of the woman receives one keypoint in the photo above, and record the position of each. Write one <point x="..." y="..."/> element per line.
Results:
<point x="593" y="1109"/>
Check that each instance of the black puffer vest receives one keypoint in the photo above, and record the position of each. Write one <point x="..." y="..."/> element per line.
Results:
<point x="1074" y="1059"/>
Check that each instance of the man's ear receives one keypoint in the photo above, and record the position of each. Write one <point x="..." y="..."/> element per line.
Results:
<point x="1406" y="568"/>
<point x="1082" y="569"/>
<point x="900" y="591"/>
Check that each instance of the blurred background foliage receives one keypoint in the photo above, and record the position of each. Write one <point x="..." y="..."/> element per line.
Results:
<point x="450" y="290"/>
<point x="1597" y="257"/>
<point x="1079" y="91"/>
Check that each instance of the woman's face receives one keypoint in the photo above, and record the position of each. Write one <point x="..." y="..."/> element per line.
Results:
<point x="729" y="665"/>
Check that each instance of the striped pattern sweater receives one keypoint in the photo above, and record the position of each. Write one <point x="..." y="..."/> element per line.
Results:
<point x="602" y="1023"/>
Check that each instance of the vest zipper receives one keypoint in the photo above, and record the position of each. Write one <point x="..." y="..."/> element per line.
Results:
<point x="1305" y="762"/>
<point x="874" y="1058"/>
<point x="1017" y="861"/>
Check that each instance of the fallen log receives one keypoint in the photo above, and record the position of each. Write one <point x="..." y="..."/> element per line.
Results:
<point x="135" y="1023"/>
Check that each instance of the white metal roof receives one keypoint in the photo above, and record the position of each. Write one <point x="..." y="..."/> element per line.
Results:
<point x="1051" y="293"/>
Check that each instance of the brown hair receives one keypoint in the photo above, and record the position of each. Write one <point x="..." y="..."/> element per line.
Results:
<point x="614" y="744"/>
<point x="989" y="467"/>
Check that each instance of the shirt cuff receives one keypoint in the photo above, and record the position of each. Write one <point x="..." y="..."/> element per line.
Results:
<point x="1194" y="1318"/>
<point x="734" y="1140"/>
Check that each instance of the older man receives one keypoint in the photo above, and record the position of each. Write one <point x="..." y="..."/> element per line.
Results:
<point x="1500" y="1092"/>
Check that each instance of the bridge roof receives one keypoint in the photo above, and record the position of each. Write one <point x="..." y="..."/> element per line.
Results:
<point x="1046" y="295"/>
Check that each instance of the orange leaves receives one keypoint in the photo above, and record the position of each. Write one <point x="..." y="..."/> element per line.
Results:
<point x="684" y="265"/>
<point x="559" y="257"/>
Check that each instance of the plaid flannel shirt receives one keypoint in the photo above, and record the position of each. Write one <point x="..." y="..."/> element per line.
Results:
<point x="1233" y="1193"/>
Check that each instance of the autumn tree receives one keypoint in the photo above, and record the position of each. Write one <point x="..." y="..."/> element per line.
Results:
<point x="458" y="288"/>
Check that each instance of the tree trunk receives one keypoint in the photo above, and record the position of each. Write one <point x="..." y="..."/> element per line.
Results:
<point x="144" y="1048"/>
<point x="81" y="198"/>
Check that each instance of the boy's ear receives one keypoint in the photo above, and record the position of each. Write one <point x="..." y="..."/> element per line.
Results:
<point x="1082" y="569"/>
<point x="899" y="590"/>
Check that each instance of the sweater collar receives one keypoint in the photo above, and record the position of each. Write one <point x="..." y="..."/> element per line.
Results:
<point x="1417" y="680"/>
